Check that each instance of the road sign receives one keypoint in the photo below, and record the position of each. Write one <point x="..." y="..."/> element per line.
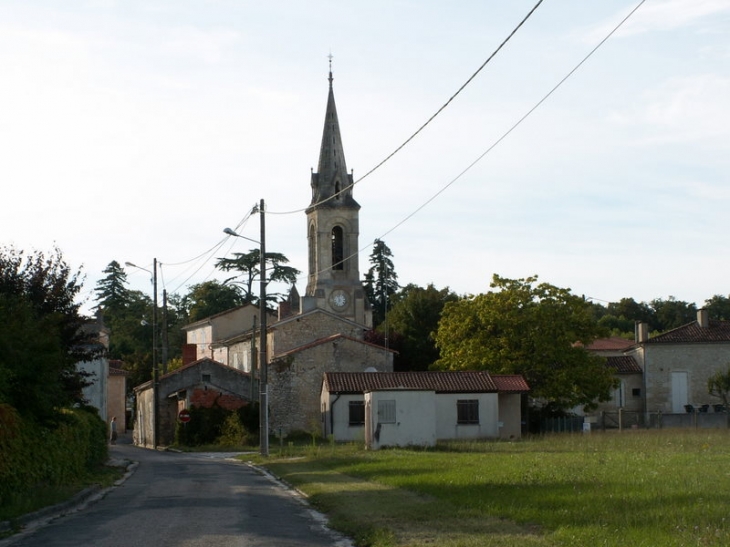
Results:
<point x="184" y="416"/>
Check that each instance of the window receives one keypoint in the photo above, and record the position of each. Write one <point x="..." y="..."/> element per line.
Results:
<point x="206" y="378"/>
<point x="386" y="411"/>
<point x="636" y="392"/>
<point x="357" y="413"/>
<point x="467" y="411"/>
<point x="338" y="253"/>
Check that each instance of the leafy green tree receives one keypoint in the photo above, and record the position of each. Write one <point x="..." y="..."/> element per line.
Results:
<point x="211" y="297"/>
<point x="248" y="268"/>
<point x="672" y="313"/>
<point x="381" y="281"/>
<point x="718" y="307"/>
<point x="532" y="329"/>
<point x="41" y="334"/>
<point x="718" y="385"/>
<point x="413" y="321"/>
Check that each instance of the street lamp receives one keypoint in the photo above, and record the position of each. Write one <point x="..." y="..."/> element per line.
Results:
<point x="155" y="380"/>
<point x="263" y="372"/>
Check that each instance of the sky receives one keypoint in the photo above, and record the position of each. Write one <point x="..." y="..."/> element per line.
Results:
<point x="134" y="130"/>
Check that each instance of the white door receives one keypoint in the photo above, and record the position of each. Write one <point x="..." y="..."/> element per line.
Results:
<point x="679" y="391"/>
<point x="618" y="395"/>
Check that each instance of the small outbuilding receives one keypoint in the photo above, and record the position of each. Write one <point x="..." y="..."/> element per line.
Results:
<point x="420" y="408"/>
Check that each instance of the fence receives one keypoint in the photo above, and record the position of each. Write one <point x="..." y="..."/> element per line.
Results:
<point x="622" y="419"/>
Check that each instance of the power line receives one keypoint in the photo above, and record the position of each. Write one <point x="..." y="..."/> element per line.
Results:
<point x="409" y="139"/>
<point x="516" y="124"/>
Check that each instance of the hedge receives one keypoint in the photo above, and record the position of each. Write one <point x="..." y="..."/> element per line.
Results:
<point x="32" y="455"/>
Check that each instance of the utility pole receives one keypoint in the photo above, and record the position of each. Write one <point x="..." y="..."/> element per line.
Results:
<point x="165" y="344"/>
<point x="155" y="372"/>
<point x="263" y="365"/>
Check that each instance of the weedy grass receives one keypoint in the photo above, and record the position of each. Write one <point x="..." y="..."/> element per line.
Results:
<point x="44" y="495"/>
<point x="666" y="488"/>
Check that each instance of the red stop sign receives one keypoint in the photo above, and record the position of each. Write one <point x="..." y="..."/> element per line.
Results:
<point x="184" y="416"/>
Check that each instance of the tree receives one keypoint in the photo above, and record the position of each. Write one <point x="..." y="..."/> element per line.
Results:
<point x="211" y="297"/>
<point x="248" y="266"/>
<point x="41" y="334"/>
<point x="718" y="307"/>
<point x="112" y="294"/>
<point x="381" y="281"/>
<point x="718" y="385"/>
<point x="413" y="321"/>
<point x="672" y="313"/>
<point x="537" y="330"/>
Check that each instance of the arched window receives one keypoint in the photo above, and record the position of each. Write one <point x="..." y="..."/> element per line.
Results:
<point x="338" y="253"/>
<point x="312" y="250"/>
<point x="337" y="189"/>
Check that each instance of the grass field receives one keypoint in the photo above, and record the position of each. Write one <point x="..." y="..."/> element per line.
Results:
<point x="640" y="488"/>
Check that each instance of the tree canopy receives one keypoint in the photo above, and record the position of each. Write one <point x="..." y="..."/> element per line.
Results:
<point x="248" y="268"/>
<point x="211" y="297"/>
<point x="412" y="322"/>
<point x="529" y="328"/>
<point x="42" y="334"/>
<point x="381" y="280"/>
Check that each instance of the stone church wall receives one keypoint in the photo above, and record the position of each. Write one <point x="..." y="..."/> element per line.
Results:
<point x="306" y="329"/>
<point x="295" y="381"/>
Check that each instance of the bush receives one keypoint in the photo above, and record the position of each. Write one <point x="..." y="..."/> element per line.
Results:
<point x="34" y="455"/>
<point x="216" y="425"/>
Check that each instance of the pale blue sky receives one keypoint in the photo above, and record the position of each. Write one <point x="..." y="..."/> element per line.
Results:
<point x="133" y="130"/>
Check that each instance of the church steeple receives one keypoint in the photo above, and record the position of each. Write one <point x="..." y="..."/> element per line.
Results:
<point x="333" y="230"/>
<point x="332" y="184"/>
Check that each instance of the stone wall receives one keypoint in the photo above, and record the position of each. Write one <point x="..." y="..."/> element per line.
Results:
<point x="295" y="381"/>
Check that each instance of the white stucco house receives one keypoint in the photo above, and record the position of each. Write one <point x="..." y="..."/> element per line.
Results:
<point x="420" y="408"/>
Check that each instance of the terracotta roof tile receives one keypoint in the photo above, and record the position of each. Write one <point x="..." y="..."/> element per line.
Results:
<point x="439" y="381"/>
<point x="623" y="365"/>
<point x="717" y="331"/>
<point x="511" y="383"/>
<point x="610" y="344"/>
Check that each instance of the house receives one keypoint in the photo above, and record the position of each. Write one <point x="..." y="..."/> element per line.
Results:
<point x="116" y="400"/>
<point x="677" y="364"/>
<point x="204" y="382"/>
<point x="663" y="378"/>
<point x="202" y="334"/>
<point x="629" y="393"/>
<point x="419" y="408"/>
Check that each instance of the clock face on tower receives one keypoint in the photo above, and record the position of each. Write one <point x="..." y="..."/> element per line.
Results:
<point x="339" y="299"/>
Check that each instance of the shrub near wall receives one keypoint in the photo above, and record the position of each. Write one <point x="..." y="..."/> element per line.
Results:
<point x="32" y="455"/>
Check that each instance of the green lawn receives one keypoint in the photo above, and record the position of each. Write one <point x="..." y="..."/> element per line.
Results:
<point x="640" y="488"/>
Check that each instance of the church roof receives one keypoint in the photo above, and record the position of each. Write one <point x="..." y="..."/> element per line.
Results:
<point x="326" y="339"/>
<point x="438" y="381"/>
<point x="331" y="184"/>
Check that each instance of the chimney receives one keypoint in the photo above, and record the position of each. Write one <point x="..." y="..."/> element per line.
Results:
<point x="703" y="318"/>
<point x="641" y="332"/>
<point x="189" y="353"/>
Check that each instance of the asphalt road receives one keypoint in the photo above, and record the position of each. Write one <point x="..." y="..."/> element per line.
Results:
<point x="186" y="500"/>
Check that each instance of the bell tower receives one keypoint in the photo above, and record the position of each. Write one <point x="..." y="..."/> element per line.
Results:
<point x="333" y="229"/>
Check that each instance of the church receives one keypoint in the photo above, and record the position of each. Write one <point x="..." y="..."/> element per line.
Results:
<point x="321" y="331"/>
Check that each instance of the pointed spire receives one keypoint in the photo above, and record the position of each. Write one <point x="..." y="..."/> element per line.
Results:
<point x="332" y="178"/>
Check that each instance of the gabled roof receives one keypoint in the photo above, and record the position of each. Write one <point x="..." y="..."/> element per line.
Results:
<point x="692" y="333"/>
<point x="208" y="319"/>
<point x="200" y="362"/>
<point x="614" y="343"/>
<point x="438" y="381"/>
<point x="623" y="365"/>
<point x="331" y="338"/>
